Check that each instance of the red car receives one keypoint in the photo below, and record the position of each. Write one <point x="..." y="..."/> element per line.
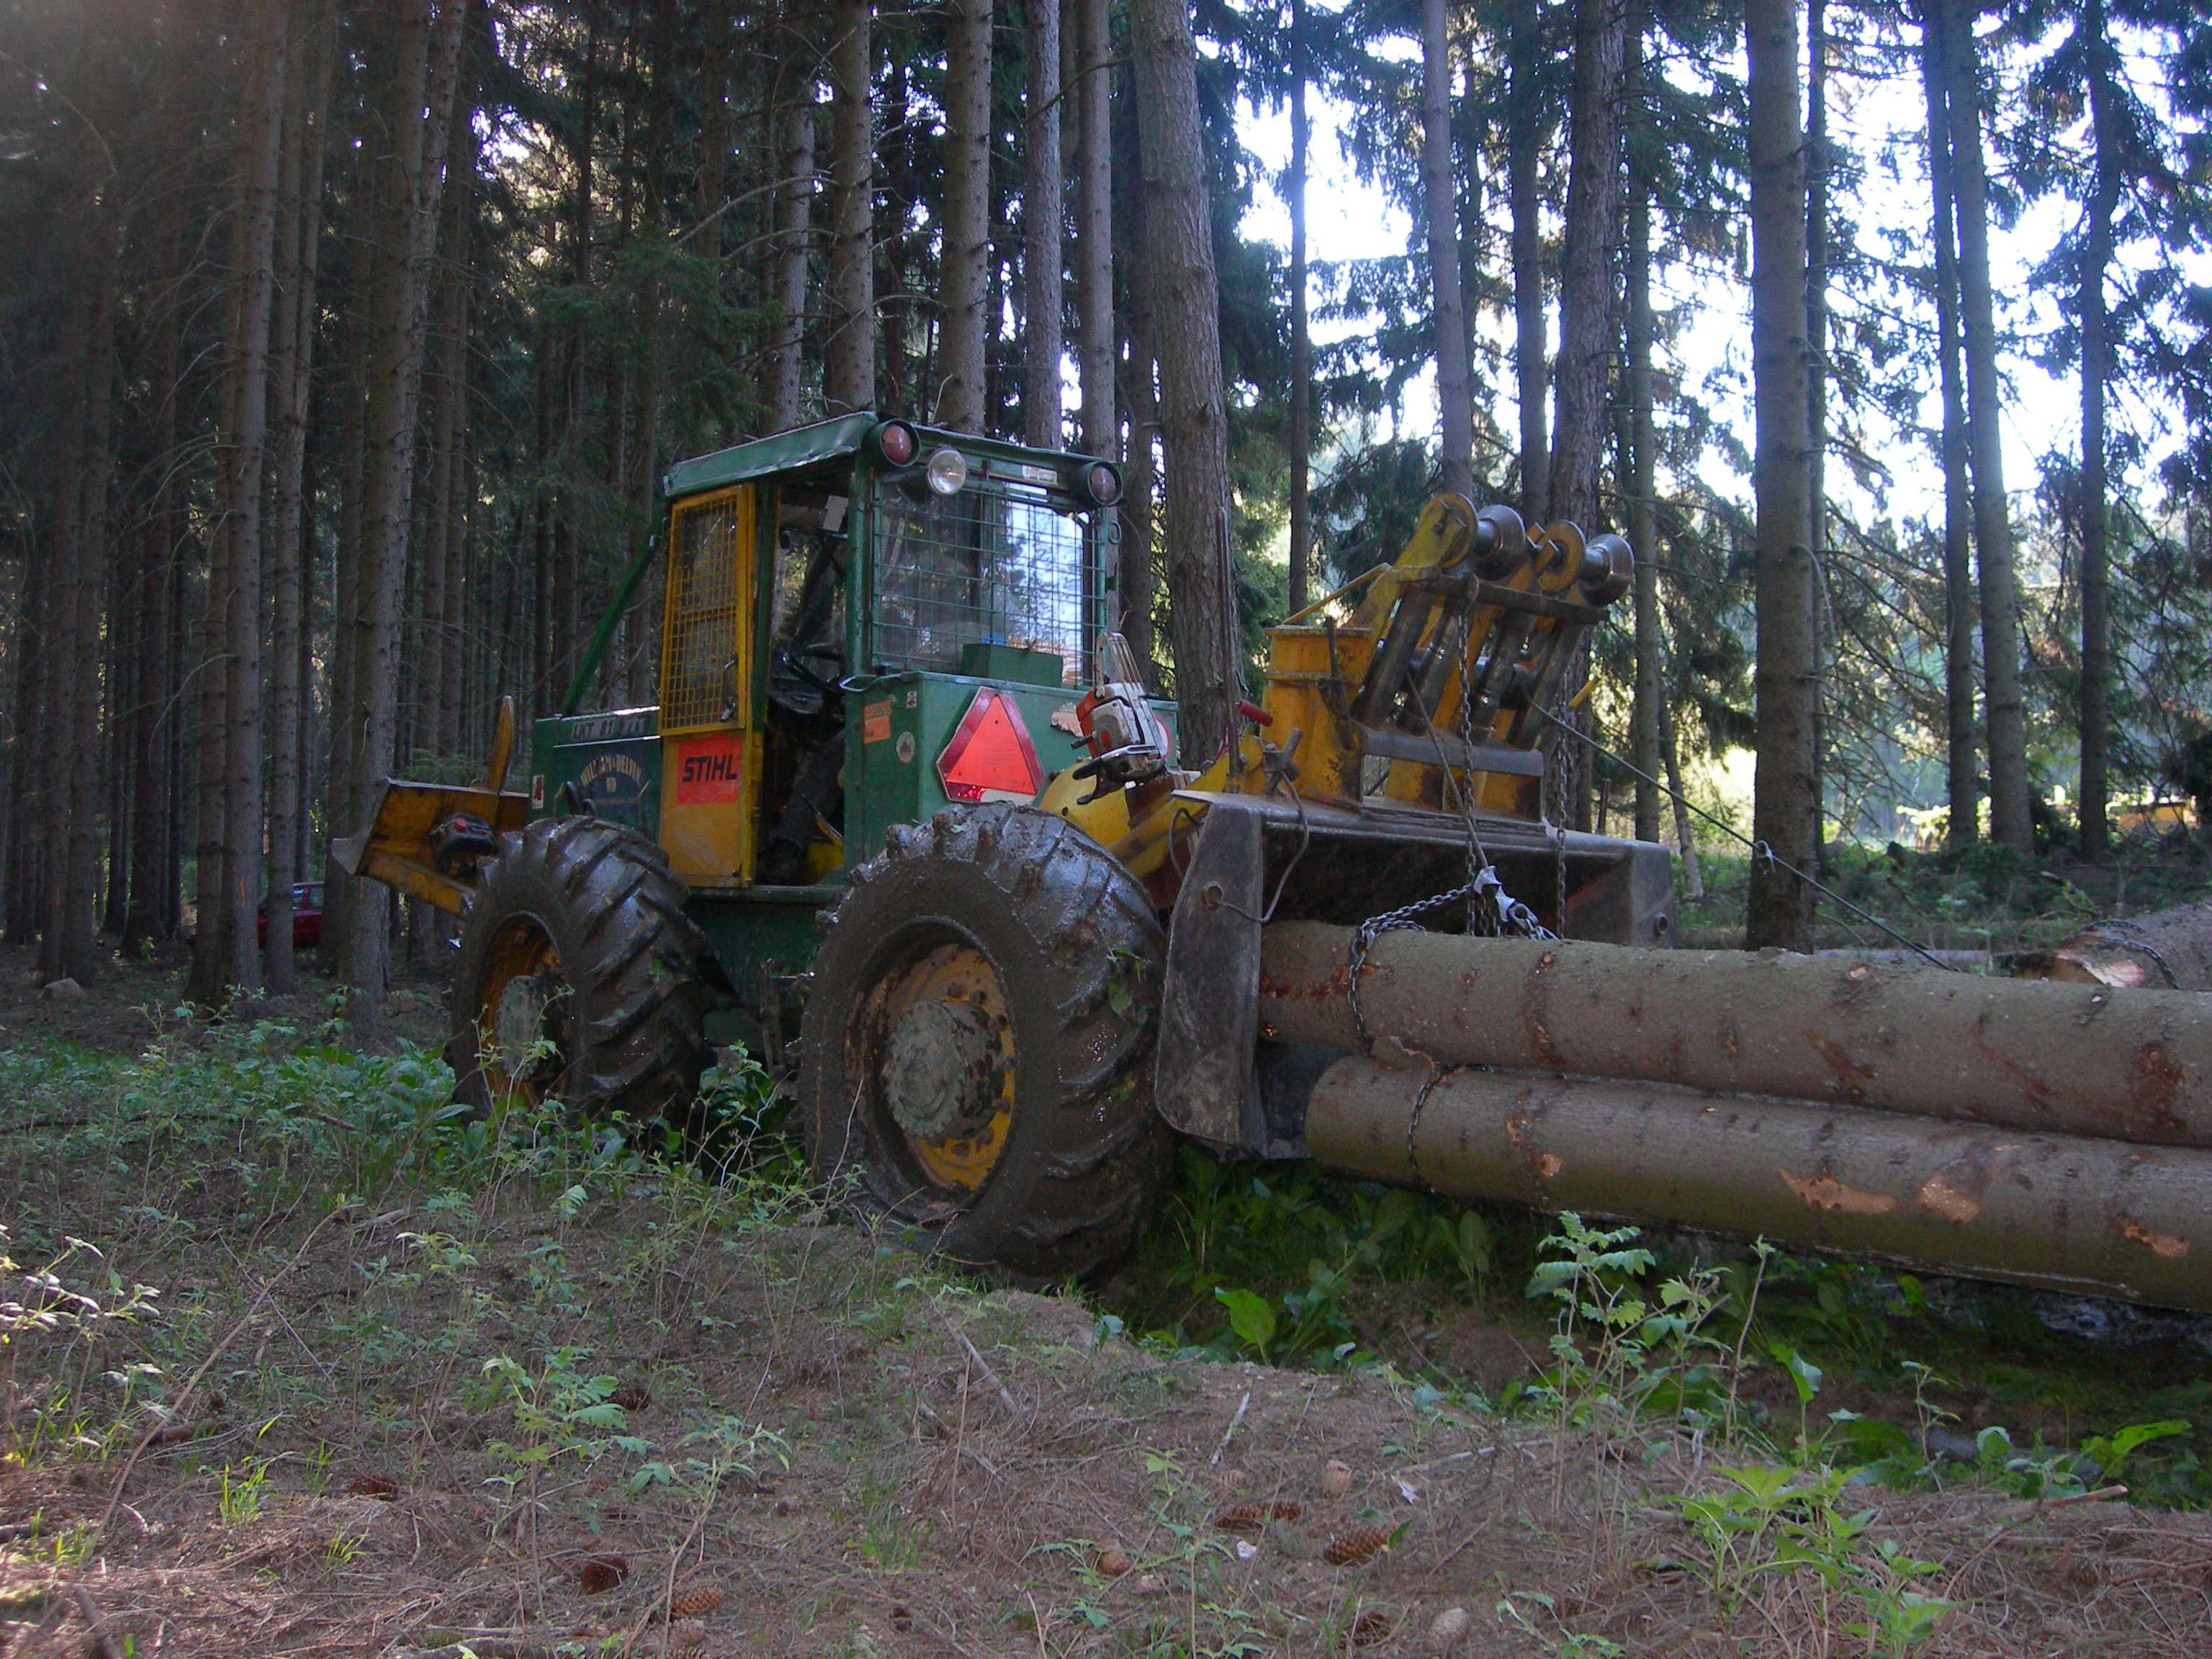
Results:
<point x="306" y="917"/>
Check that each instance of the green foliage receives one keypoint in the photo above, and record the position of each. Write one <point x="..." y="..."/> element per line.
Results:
<point x="1622" y="1354"/>
<point x="1271" y="1262"/>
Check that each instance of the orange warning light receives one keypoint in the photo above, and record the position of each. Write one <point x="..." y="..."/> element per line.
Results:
<point x="990" y="757"/>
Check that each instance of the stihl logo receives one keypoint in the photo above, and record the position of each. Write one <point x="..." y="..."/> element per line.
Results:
<point x="710" y="771"/>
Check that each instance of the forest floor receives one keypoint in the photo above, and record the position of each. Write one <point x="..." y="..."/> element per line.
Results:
<point x="1978" y="900"/>
<point x="295" y="1359"/>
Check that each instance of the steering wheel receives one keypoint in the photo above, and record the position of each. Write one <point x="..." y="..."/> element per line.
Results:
<point x="792" y="660"/>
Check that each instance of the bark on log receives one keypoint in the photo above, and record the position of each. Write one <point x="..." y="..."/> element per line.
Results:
<point x="2081" y="1059"/>
<point x="2066" y="1211"/>
<point x="2163" y="950"/>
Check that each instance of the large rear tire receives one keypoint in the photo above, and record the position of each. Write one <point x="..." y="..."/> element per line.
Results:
<point x="976" y="1054"/>
<point x="578" y="977"/>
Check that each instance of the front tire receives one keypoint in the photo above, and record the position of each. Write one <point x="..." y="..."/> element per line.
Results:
<point x="976" y="1054"/>
<point x="578" y="977"/>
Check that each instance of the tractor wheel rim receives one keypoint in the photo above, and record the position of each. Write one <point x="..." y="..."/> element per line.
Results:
<point x="521" y="1013"/>
<point x="938" y="1049"/>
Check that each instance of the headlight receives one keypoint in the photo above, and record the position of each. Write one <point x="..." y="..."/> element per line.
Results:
<point x="897" y="443"/>
<point x="1102" y="482"/>
<point x="947" y="472"/>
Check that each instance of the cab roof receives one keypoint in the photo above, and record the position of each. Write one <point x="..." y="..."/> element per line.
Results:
<point x="840" y="436"/>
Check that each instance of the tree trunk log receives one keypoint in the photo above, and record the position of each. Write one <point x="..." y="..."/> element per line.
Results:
<point x="2066" y="1211"/>
<point x="2063" y="1059"/>
<point x="2169" y="949"/>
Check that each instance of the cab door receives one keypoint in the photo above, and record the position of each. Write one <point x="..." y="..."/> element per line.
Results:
<point x="710" y="760"/>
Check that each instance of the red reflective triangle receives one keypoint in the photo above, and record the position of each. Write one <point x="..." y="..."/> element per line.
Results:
<point x="990" y="757"/>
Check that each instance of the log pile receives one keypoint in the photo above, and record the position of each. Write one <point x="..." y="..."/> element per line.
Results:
<point x="2052" y="1132"/>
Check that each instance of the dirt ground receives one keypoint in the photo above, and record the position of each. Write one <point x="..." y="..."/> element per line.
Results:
<point x="400" y="1390"/>
<point x="929" y="1471"/>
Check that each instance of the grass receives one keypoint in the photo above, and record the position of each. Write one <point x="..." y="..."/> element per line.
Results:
<point x="297" y="1359"/>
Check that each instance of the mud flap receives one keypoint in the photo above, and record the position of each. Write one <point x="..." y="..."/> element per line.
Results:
<point x="1204" y="1070"/>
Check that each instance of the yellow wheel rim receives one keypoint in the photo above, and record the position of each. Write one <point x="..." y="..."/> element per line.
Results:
<point x="956" y="1142"/>
<point x="519" y="1013"/>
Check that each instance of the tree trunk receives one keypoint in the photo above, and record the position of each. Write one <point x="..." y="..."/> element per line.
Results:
<point x="1094" y="228"/>
<point x="1643" y="486"/>
<point x="851" y="348"/>
<point x="462" y="586"/>
<point x="1817" y="169"/>
<point x="1524" y="141"/>
<point x="963" y="262"/>
<point x="1584" y="373"/>
<point x="1963" y="790"/>
<point x="1141" y="500"/>
<point x="2168" y="949"/>
<point x="711" y="184"/>
<point x="422" y="108"/>
<point x="1783" y="809"/>
<point x="1043" y="264"/>
<point x="145" y="921"/>
<point x="2096" y="370"/>
<point x="225" y="951"/>
<point x="120" y="679"/>
<point x="1300" y="438"/>
<point x="794" y="205"/>
<point x="291" y="370"/>
<point x="2069" y="1213"/>
<point x="79" y="883"/>
<point x="1685" y="840"/>
<point x="2011" y="821"/>
<point x="1901" y="1037"/>
<point x="1447" y="294"/>
<point x="642" y="487"/>
<point x="567" y="562"/>
<point x="1194" y="425"/>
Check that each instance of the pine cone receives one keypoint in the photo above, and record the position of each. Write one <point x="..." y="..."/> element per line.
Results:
<point x="691" y="1600"/>
<point x="601" y="1573"/>
<point x="685" y="1641"/>
<point x="1253" y="1517"/>
<point x="1349" y="1549"/>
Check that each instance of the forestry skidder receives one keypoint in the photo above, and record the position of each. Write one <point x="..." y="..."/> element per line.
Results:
<point x="904" y="800"/>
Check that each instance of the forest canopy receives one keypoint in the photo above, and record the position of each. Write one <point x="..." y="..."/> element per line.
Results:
<point x="347" y="342"/>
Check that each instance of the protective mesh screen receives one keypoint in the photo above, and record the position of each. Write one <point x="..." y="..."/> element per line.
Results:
<point x="993" y="562"/>
<point x="697" y="684"/>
